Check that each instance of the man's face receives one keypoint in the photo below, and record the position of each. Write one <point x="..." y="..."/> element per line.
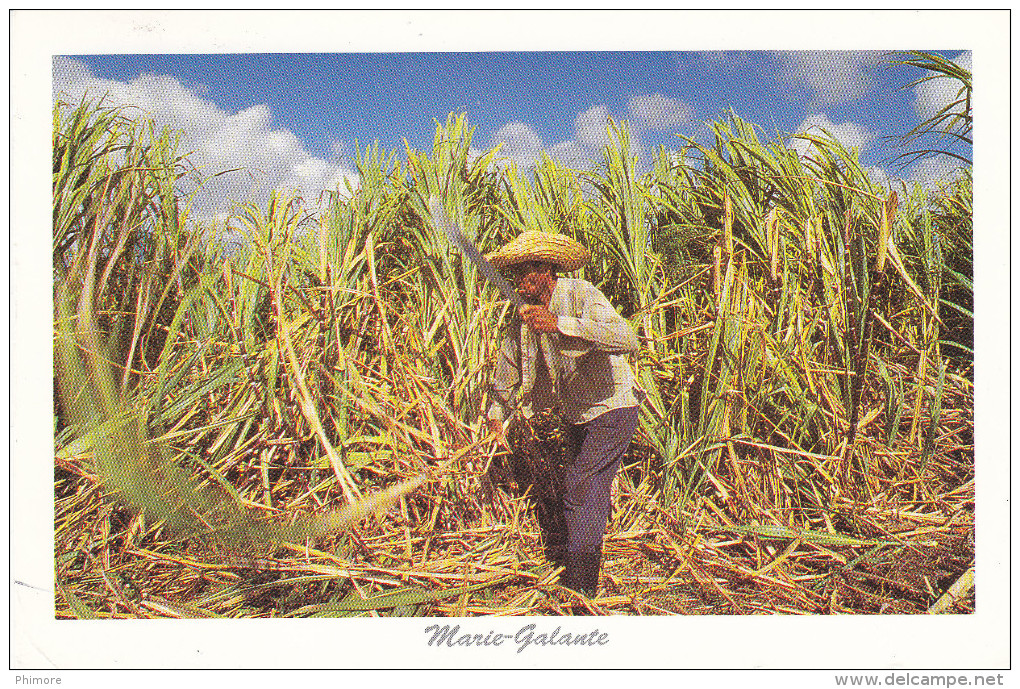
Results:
<point x="533" y="280"/>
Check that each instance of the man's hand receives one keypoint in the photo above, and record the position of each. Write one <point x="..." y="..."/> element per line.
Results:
<point x="539" y="319"/>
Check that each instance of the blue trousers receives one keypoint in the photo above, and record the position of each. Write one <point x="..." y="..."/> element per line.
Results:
<point x="601" y="444"/>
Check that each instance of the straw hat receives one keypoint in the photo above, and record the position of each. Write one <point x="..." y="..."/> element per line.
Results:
<point x="542" y="246"/>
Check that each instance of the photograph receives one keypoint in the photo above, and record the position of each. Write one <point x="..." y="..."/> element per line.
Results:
<point x="524" y="344"/>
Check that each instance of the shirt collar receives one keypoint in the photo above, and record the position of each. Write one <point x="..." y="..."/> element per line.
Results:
<point x="558" y="301"/>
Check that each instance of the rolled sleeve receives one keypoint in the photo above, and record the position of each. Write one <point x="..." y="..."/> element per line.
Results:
<point x="599" y="325"/>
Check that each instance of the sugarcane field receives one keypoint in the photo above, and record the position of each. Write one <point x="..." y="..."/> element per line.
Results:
<point x="293" y="423"/>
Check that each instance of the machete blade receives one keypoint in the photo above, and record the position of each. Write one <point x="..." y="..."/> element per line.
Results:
<point x="442" y="220"/>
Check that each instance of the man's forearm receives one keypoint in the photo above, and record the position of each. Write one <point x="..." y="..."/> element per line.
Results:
<point x="615" y="337"/>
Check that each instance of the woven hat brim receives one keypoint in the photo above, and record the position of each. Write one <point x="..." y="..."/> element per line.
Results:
<point x="545" y="247"/>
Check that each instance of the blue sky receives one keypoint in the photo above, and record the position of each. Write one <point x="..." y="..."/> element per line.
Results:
<point x="295" y="117"/>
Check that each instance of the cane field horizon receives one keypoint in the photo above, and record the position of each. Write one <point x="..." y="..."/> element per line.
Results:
<point x="290" y="423"/>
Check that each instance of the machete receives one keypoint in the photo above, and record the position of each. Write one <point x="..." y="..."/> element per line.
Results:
<point x="441" y="219"/>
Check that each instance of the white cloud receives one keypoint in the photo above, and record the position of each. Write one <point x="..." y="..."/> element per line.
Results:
<point x="657" y="112"/>
<point x="832" y="76"/>
<point x="274" y="158"/>
<point x="522" y="145"/>
<point x="934" y="94"/>
<point x="880" y="176"/>
<point x="571" y="155"/>
<point x="519" y="142"/>
<point x="591" y="127"/>
<point x="850" y="134"/>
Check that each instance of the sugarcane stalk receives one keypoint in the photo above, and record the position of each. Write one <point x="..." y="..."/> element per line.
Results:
<point x="957" y="592"/>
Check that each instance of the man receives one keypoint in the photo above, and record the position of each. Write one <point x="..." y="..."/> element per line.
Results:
<point x="570" y="354"/>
